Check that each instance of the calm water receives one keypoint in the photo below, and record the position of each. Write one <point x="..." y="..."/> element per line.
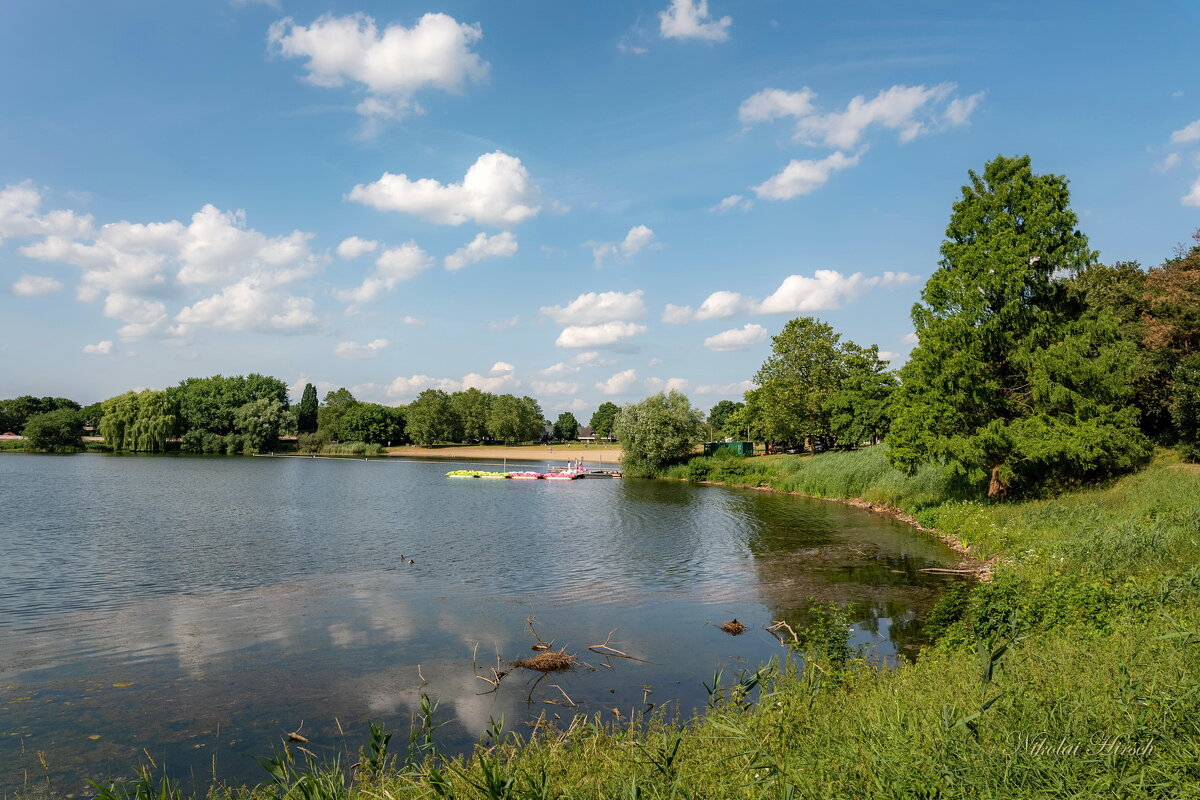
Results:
<point x="198" y="609"/>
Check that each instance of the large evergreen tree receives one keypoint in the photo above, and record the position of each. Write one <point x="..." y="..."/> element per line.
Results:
<point x="1013" y="382"/>
<point x="306" y="414"/>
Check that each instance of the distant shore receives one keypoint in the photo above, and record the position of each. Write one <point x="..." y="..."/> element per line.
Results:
<point x="591" y="454"/>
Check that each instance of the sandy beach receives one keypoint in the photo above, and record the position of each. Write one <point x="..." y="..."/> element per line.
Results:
<point x="591" y="455"/>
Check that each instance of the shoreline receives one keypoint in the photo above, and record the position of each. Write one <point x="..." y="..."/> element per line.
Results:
<point x="563" y="454"/>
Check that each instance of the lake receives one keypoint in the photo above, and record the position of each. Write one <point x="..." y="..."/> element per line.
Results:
<point x="198" y="609"/>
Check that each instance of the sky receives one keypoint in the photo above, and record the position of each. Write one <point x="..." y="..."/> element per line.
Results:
<point x="576" y="201"/>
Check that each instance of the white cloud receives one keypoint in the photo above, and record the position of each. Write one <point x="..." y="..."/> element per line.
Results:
<point x="554" y="387"/>
<point x="637" y="239"/>
<point x="353" y="247"/>
<point x="392" y="65"/>
<point x="1188" y="133"/>
<point x="296" y="390"/>
<point x="217" y="247"/>
<point x="1192" y="198"/>
<point x="688" y="19"/>
<point x="502" y="245"/>
<point x="249" y="304"/>
<point x="143" y="318"/>
<point x="592" y="307"/>
<point x="393" y="265"/>
<point x="826" y="289"/>
<point x="911" y="110"/>
<point x="30" y="285"/>
<point x="668" y="385"/>
<point x="20" y="215"/>
<point x="732" y="202"/>
<point x="1169" y="162"/>
<point x="103" y="348"/>
<point x="910" y="338"/>
<point x="411" y="321"/>
<point x="500" y="377"/>
<point x="598" y="335"/>
<point x="803" y="176"/>
<point x="354" y="350"/>
<point x="676" y="315"/>
<point x="495" y="191"/>
<point x="889" y="356"/>
<point x="620" y="383"/>
<point x="722" y="304"/>
<point x="575" y="363"/>
<point x="737" y="338"/>
<point x="504" y="324"/>
<point x="727" y="389"/>
<point x="415" y="384"/>
<point x="771" y="104"/>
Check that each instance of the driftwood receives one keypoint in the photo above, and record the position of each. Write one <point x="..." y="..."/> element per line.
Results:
<point x="608" y="651"/>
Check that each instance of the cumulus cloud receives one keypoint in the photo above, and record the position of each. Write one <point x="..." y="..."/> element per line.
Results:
<point x="676" y="315"/>
<point x="802" y="176"/>
<point x="251" y="305"/>
<point x="353" y="247"/>
<point x="910" y="338"/>
<point x="393" y="265"/>
<point x="502" y="245"/>
<point x="554" y="387"/>
<point x="737" y="339"/>
<point x="495" y="191"/>
<point x="598" y="335"/>
<point x="1192" y="198"/>
<point x="827" y="289"/>
<point x="501" y="377"/>
<point x="390" y="65"/>
<point x="103" y="348"/>
<point x="354" y="350"/>
<point x="911" y="111"/>
<point x="1188" y="133"/>
<point x="621" y="383"/>
<point x="1170" y="161"/>
<point x="30" y="285"/>
<point x="722" y="304"/>
<point x="637" y="239"/>
<point x="21" y="215"/>
<point x="593" y="307"/>
<point x="415" y="384"/>
<point x="575" y="363"/>
<point x="727" y="389"/>
<point x="668" y="385"/>
<point x="733" y="201"/>
<point x="689" y="19"/>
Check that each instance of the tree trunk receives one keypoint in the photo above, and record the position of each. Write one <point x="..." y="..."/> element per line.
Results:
<point x="996" y="487"/>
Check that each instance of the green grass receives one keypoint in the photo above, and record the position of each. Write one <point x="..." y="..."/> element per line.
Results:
<point x="1075" y="672"/>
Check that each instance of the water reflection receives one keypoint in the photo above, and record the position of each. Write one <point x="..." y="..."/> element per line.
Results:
<point x="201" y="608"/>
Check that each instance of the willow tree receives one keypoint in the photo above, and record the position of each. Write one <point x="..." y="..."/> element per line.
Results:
<point x="138" y="421"/>
<point x="1015" y="383"/>
<point x="658" y="430"/>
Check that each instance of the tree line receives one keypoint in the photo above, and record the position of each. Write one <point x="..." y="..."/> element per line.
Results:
<point x="1035" y="367"/>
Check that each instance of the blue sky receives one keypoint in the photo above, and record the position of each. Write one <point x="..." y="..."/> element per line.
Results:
<point x="581" y="202"/>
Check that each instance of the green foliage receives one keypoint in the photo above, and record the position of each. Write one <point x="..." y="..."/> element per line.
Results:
<point x="257" y="424"/>
<point x="369" y="422"/>
<point x="1185" y="406"/>
<point x="473" y="409"/>
<point x="720" y="414"/>
<point x="603" y="419"/>
<point x="139" y="421"/>
<point x="566" y="427"/>
<point x="1014" y="385"/>
<point x="515" y="419"/>
<point x="860" y="410"/>
<point x="90" y="415"/>
<point x="16" y="412"/>
<point x="431" y="419"/>
<point x="306" y="413"/>
<point x="329" y="415"/>
<point x="54" y="430"/>
<point x="798" y="381"/>
<point x="657" y="431"/>
<point x="210" y="404"/>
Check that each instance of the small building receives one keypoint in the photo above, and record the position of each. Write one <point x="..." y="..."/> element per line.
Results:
<point x="737" y="448"/>
<point x="586" y="434"/>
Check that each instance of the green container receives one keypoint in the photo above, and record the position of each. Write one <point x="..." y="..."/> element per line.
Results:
<point x="737" y="448"/>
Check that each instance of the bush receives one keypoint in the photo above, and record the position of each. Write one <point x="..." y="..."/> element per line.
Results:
<point x="54" y="430"/>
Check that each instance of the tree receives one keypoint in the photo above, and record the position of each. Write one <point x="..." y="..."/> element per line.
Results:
<point x="515" y="419"/>
<point x="257" y="424"/>
<point x="472" y="407"/>
<point x="372" y="423"/>
<point x="1013" y="383"/>
<point x="208" y="405"/>
<point x="331" y="411"/>
<point x="431" y="418"/>
<point x="139" y="421"/>
<point x="719" y="415"/>
<point x="90" y="415"/>
<point x="1185" y="406"/>
<point x="306" y="414"/>
<point x="603" y="419"/>
<point x="566" y="427"/>
<point x="658" y="430"/>
<point x="860" y="410"/>
<point x="16" y="412"/>
<point x="798" y="380"/>
<point x="54" y="430"/>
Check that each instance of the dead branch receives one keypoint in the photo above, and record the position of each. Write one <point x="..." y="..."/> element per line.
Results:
<point x="607" y="650"/>
<point x="774" y="631"/>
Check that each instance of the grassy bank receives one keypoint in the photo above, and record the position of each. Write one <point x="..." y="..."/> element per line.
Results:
<point x="1075" y="672"/>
